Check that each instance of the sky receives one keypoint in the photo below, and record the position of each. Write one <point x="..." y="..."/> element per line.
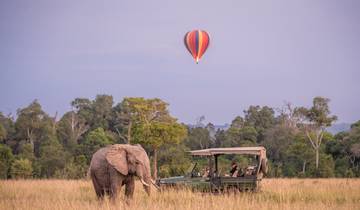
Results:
<point x="261" y="53"/>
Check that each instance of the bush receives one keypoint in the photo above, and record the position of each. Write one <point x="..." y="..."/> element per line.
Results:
<point x="75" y="169"/>
<point x="6" y="158"/>
<point x="326" y="167"/>
<point x="21" y="168"/>
<point x="341" y="167"/>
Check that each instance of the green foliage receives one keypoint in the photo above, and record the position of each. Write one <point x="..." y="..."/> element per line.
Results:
<point x="326" y="167"/>
<point x="198" y="138"/>
<point x="220" y="138"/>
<point x="37" y="145"/>
<point x="21" y="169"/>
<point x="236" y="137"/>
<point x="52" y="158"/>
<point x="277" y="141"/>
<point x="152" y="123"/>
<point x="3" y="133"/>
<point x="7" y="127"/>
<point x="29" y="121"/>
<point x="76" y="168"/>
<point x="6" y="158"/>
<point x="317" y="118"/>
<point x="70" y="129"/>
<point x="95" y="140"/>
<point x="173" y="160"/>
<point x="26" y="151"/>
<point x="261" y="118"/>
<point x="102" y="108"/>
<point x="157" y="134"/>
<point x="341" y="167"/>
<point x="319" y="112"/>
<point x="96" y="113"/>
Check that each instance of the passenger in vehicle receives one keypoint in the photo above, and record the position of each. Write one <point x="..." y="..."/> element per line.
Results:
<point x="206" y="172"/>
<point x="234" y="170"/>
<point x="250" y="170"/>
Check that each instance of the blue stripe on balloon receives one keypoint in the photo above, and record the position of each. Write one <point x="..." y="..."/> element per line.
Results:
<point x="197" y="42"/>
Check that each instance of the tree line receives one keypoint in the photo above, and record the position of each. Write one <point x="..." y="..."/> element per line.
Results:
<point x="34" y="144"/>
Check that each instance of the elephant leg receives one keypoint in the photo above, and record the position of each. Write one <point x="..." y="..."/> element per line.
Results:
<point x="98" y="189"/>
<point x="129" y="188"/>
<point x="115" y="184"/>
<point x="113" y="191"/>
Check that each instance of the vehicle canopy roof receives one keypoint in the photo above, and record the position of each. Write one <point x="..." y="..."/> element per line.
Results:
<point x="261" y="151"/>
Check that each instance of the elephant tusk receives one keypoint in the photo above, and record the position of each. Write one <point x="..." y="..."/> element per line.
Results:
<point x="155" y="185"/>
<point x="144" y="183"/>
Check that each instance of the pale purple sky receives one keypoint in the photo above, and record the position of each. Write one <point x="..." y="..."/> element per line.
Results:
<point x="261" y="53"/>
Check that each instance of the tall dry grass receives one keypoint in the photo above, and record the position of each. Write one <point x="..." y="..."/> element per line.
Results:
<point x="275" y="194"/>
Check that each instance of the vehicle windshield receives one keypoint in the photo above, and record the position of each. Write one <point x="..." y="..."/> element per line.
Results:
<point x="237" y="165"/>
<point x="229" y="165"/>
<point x="191" y="169"/>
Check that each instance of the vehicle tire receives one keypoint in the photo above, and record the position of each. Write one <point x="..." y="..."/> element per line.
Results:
<point x="264" y="166"/>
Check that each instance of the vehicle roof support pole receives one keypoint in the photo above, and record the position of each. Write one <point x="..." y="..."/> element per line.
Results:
<point x="211" y="168"/>
<point x="216" y="165"/>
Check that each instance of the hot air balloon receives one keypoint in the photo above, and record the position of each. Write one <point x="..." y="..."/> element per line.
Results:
<point x="197" y="41"/>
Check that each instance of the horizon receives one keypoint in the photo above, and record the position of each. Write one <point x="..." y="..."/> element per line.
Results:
<point x="205" y="121"/>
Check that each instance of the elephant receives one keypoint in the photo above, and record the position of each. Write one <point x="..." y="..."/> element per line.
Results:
<point x="116" y="165"/>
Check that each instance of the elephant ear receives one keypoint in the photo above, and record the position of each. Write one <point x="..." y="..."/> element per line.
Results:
<point x="116" y="156"/>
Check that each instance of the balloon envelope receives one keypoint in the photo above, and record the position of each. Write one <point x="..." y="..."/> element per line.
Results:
<point x="196" y="42"/>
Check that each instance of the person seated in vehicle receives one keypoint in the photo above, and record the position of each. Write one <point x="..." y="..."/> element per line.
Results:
<point x="234" y="170"/>
<point x="250" y="170"/>
<point x="206" y="172"/>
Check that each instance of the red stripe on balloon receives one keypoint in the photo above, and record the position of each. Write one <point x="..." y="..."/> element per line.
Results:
<point x="192" y="43"/>
<point x="204" y="44"/>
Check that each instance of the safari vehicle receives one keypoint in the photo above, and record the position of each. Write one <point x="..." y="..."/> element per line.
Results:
<point x="213" y="179"/>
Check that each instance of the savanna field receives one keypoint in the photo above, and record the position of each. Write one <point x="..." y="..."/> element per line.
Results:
<point x="275" y="194"/>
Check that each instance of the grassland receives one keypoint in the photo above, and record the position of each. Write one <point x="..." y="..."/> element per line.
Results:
<point x="275" y="194"/>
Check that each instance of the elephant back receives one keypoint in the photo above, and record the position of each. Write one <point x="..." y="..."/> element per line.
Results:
<point x="98" y="159"/>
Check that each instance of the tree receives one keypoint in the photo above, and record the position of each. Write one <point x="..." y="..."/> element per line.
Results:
<point x="52" y="158"/>
<point x="22" y="169"/>
<point x="26" y="151"/>
<point x="198" y="138"/>
<point x="240" y="134"/>
<point x="29" y="124"/>
<point x="123" y="120"/>
<point x="76" y="168"/>
<point x="6" y="159"/>
<point x="220" y="138"/>
<point x="277" y="141"/>
<point x="95" y="140"/>
<point x="157" y="134"/>
<point x="96" y="113"/>
<point x="352" y="145"/>
<point x="82" y="107"/>
<point x="153" y="126"/>
<point x="173" y="160"/>
<point x="237" y="123"/>
<point x="315" y="121"/>
<point x="289" y="117"/>
<point x="261" y="118"/>
<point x="212" y="131"/>
<point x="102" y="109"/>
<point x="7" y="128"/>
<point x="70" y="129"/>
<point x="3" y="133"/>
<point x="297" y="157"/>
